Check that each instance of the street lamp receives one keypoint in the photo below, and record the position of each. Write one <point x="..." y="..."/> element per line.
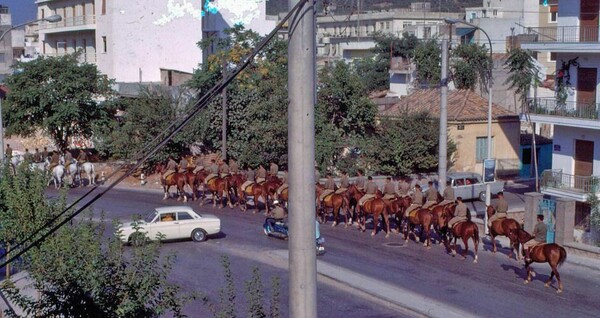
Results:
<point x="52" y="18"/>
<point x="489" y="119"/>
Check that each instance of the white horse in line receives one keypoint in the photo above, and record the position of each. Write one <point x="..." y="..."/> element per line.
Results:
<point x="90" y="172"/>
<point x="58" y="173"/>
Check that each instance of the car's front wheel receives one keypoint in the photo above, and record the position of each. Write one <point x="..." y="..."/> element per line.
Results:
<point x="199" y="235"/>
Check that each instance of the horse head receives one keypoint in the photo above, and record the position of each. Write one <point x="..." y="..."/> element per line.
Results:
<point x="490" y="211"/>
<point x="159" y="168"/>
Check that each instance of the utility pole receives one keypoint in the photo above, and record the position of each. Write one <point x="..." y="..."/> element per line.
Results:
<point x="443" y="150"/>
<point x="224" y="115"/>
<point x="301" y="154"/>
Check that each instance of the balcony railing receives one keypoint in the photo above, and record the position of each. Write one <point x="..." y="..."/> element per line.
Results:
<point x="553" y="107"/>
<point x="556" y="179"/>
<point x="83" y="58"/>
<point x="562" y="34"/>
<point x="69" y="22"/>
<point x="400" y="64"/>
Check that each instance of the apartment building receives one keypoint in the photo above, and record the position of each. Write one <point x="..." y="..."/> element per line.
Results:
<point x="6" y="48"/>
<point x="573" y="111"/>
<point x="352" y="36"/>
<point x="137" y="40"/>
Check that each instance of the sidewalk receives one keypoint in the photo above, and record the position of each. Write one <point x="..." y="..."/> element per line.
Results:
<point x="22" y="282"/>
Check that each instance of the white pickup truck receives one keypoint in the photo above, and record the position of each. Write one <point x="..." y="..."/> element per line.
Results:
<point x="470" y="185"/>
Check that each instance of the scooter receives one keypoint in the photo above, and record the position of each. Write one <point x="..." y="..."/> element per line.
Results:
<point x="271" y="227"/>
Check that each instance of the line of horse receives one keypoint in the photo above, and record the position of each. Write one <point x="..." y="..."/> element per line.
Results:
<point x="58" y="173"/>
<point x="229" y="191"/>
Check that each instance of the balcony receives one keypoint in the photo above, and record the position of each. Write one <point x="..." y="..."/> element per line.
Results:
<point x="555" y="182"/>
<point x="73" y="23"/>
<point x="83" y="57"/>
<point x="569" y="113"/>
<point x="562" y="39"/>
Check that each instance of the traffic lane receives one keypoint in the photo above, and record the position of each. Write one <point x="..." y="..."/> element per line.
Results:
<point x="198" y="268"/>
<point x="359" y="252"/>
<point x="433" y="273"/>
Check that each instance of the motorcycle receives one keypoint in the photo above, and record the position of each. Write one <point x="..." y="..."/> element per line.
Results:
<point x="274" y="228"/>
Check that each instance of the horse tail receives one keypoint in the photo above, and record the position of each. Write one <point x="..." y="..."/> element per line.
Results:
<point x="475" y="234"/>
<point x="563" y="255"/>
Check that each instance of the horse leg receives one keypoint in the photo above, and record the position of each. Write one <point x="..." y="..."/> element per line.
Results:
<point x="387" y="223"/>
<point x="549" y="281"/>
<point x="375" y="223"/>
<point x="560" y="285"/>
<point x="494" y="242"/>
<point x="528" y="269"/>
<point x="475" y="246"/>
<point x="466" y="250"/>
<point x="166" y="190"/>
<point x="454" y="247"/>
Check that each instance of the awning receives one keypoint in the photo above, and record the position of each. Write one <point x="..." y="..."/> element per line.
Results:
<point x="464" y="31"/>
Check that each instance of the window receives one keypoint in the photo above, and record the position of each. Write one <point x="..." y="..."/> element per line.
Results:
<point x="103" y="7"/>
<point x="553" y="14"/>
<point x="406" y="25"/>
<point x="380" y="25"/>
<point x="184" y="216"/>
<point x="495" y="12"/>
<point x="387" y="25"/>
<point x="426" y="32"/>
<point x="104" y="44"/>
<point x="84" y="45"/>
<point x="167" y="217"/>
<point x="43" y="14"/>
<point x="481" y="149"/>
<point x="2" y="58"/>
<point x="552" y="57"/>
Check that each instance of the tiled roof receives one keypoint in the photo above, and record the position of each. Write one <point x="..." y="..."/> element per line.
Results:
<point x="463" y="105"/>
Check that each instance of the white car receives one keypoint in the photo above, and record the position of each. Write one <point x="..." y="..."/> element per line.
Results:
<point x="174" y="222"/>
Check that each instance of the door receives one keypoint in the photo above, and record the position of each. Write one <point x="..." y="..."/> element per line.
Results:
<point x="587" y="79"/>
<point x="588" y="20"/>
<point x="584" y="163"/>
<point x="187" y="224"/>
<point x="166" y="224"/>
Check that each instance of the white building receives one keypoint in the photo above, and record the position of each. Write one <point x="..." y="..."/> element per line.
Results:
<point x="500" y="19"/>
<point x="134" y="40"/>
<point x="6" y="48"/>
<point x="575" y="42"/>
<point x="352" y="36"/>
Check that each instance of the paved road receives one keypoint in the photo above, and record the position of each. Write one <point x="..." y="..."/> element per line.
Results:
<point x="424" y="277"/>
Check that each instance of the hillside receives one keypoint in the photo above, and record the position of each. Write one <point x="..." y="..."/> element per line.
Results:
<point x="344" y="6"/>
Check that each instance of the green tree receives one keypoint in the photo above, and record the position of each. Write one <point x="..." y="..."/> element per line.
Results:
<point x="522" y="72"/>
<point x="79" y="272"/>
<point x="427" y="57"/>
<point x="373" y="72"/>
<point x="471" y="66"/>
<point x="256" y="100"/>
<point x="343" y="113"/>
<point x="404" y="145"/>
<point x="58" y="95"/>
<point x="140" y="120"/>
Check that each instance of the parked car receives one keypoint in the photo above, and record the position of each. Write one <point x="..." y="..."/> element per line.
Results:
<point x="470" y="185"/>
<point x="174" y="222"/>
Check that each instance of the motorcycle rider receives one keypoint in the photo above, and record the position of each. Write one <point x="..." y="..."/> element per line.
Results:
<point x="277" y="215"/>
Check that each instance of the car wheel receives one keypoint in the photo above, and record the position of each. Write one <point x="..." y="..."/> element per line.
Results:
<point x="482" y="196"/>
<point x="199" y="235"/>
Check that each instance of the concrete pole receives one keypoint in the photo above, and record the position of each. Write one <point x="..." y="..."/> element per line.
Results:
<point x="224" y="116"/>
<point x="1" y="135"/>
<point x="443" y="150"/>
<point x="301" y="154"/>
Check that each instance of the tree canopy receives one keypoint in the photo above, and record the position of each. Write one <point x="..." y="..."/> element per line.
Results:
<point x="522" y="72"/>
<point x="58" y="95"/>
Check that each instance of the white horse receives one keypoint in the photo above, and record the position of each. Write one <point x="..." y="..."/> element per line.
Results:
<point x="58" y="173"/>
<point x="90" y="172"/>
<point x="73" y="172"/>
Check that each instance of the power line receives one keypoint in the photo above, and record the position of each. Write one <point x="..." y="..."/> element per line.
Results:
<point x="199" y="105"/>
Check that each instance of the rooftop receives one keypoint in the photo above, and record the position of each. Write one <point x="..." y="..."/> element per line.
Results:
<point x="463" y="105"/>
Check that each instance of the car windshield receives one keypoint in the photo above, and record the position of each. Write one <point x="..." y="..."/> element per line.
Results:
<point x="150" y="216"/>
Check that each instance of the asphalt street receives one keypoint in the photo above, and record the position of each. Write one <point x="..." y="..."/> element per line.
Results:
<point x="378" y="277"/>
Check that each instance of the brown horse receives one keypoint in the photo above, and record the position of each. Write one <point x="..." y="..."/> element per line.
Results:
<point x="334" y="201"/>
<point x="271" y="185"/>
<point x="464" y="230"/>
<point x="218" y="187"/>
<point x="376" y="207"/>
<point x="502" y="227"/>
<point x="176" y="179"/>
<point x="550" y="253"/>
<point x="235" y="181"/>
<point x="423" y="218"/>
<point x="353" y="195"/>
<point x="256" y="191"/>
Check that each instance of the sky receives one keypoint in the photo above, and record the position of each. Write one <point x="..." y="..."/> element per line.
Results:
<point x="21" y="10"/>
